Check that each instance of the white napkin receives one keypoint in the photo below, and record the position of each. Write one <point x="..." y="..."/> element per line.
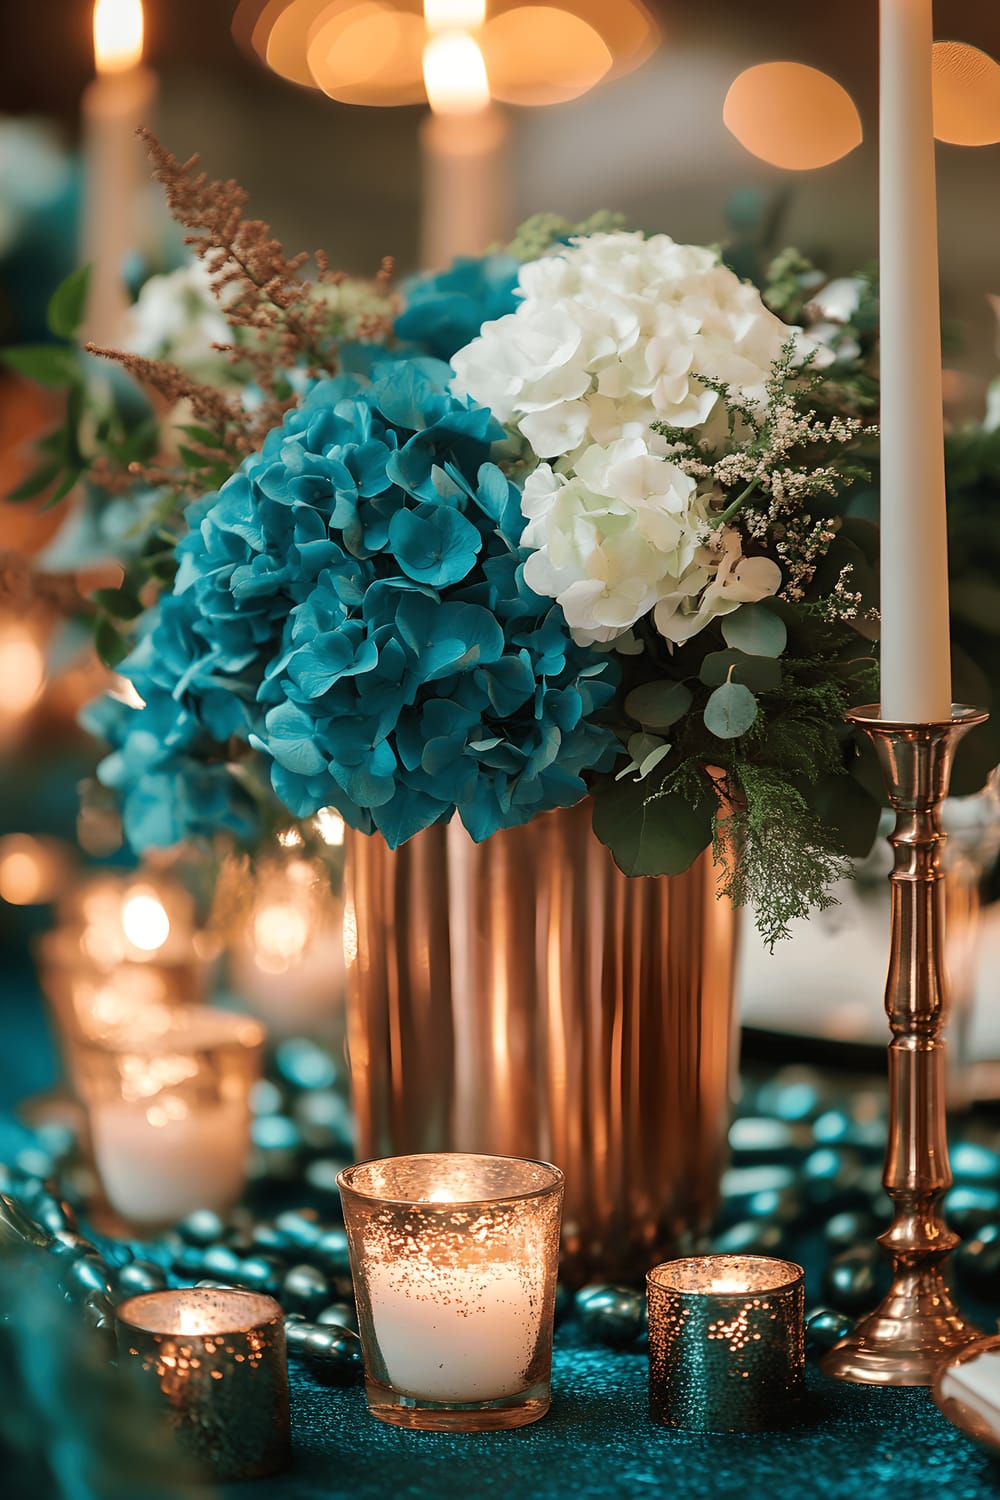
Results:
<point x="976" y="1383"/>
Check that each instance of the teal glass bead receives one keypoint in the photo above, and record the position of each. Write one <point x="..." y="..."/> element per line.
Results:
<point x="72" y="1245"/>
<point x="612" y="1315"/>
<point x="331" y="1252"/>
<point x="262" y="1273"/>
<point x="305" y="1065"/>
<point x="220" y="1260"/>
<point x="972" y="1162"/>
<point x="849" y="1228"/>
<point x="333" y="1354"/>
<point x="324" y="1120"/>
<point x="138" y="1277"/>
<point x="749" y="1236"/>
<point x="826" y="1326"/>
<point x="299" y="1226"/>
<point x="321" y="1174"/>
<point x="968" y="1207"/>
<point x="87" y="1274"/>
<point x="761" y="1138"/>
<point x="304" y="1289"/>
<point x="203" y="1227"/>
<point x="849" y="1280"/>
<point x="341" y="1315"/>
<point x="18" y="1228"/>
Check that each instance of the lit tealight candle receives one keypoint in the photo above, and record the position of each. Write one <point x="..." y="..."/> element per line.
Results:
<point x="216" y="1363"/>
<point x="169" y="1113"/>
<point x="455" y="1260"/>
<point x="120" y="99"/>
<point x="726" y="1342"/>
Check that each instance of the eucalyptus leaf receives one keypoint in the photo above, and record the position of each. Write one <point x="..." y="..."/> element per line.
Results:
<point x="67" y="304"/>
<point x="71" y="477"/>
<point x="38" y="480"/>
<point x="122" y="603"/>
<point x="657" y="705"/>
<point x="111" y="644"/>
<point x="650" y="834"/>
<point x="762" y="674"/>
<point x="730" y="711"/>
<point x="755" y="629"/>
<point x="47" y="364"/>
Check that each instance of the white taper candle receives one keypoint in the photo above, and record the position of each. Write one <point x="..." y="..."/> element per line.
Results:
<point x="916" y="670"/>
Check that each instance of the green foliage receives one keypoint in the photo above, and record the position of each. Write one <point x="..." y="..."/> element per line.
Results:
<point x="756" y="629"/>
<point x="52" y="365"/>
<point x="730" y="711"/>
<point x="762" y="674"/>
<point x="67" y="304"/>
<point x="542" y="231"/>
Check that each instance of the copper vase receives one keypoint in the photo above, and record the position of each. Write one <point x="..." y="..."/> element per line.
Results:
<point x="523" y="997"/>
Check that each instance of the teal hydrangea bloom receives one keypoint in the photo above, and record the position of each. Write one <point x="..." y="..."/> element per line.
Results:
<point x="352" y="605"/>
<point x="446" y="311"/>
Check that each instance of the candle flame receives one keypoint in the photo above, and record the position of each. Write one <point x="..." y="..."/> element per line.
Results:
<point x="191" y="1322"/>
<point x="455" y="74"/>
<point x="454" y="15"/>
<point x="729" y="1284"/>
<point x="118" y="27"/>
<point x="145" y="921"/>
<point x="330" y="826"/>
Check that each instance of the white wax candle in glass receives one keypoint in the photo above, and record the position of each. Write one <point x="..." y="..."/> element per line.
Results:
<point x="169" y="1113"/>
<point x="455" y="1259"/>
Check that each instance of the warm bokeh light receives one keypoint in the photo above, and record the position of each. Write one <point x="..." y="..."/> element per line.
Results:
<point x="455" y="75"/>
<point x="454" y="15"/>
<point x="367" y="53"/>
<point x="792" y="116"/>
<point x="371" y="51"/>
<point x="966" y="95"/>
<point x="31" y="870"/>
<point x="117" y="35"/>
<point x="145" y="921"/>
<point x="543" y="55"/>
<point x="330" y="826"/>
<point x="280" y="935"/>
<point x="22" y="668"/>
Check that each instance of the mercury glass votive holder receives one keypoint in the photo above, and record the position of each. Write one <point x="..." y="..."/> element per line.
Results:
<point x="168" y="1111"/>
<point x="455" y="1259"/>
<point x="215" y="1361"/>
<point x="726" y="1342"/>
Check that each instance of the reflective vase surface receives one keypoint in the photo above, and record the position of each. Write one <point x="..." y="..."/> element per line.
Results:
<point x="523" y="997"/>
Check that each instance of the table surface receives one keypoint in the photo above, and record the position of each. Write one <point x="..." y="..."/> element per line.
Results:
<point x="597" y="1442"/>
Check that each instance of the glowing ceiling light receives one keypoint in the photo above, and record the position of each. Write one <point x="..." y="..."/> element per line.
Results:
<point x="118" y="28"/>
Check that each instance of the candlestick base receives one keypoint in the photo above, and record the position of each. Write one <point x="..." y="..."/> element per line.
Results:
<point x="917" y="1325"/>
<point x="457" y="1416"/>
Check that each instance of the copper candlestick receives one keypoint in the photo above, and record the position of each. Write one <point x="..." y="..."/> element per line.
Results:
<point x="917" y="1324"/>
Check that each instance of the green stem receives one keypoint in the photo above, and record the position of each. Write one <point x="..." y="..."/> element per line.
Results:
<point x="735" y="505"/>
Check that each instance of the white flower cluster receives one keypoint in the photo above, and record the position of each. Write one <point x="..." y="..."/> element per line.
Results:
<point x="628" y="533"/>
<point x="610" y="336"/>
<point x="176" y="317"/>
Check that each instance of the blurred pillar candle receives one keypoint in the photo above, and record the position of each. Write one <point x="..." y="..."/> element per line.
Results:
<point x="454" y="1259"/>
<point x="217" y="1365"/>
<point x="465" y="151"/>
<point x="169" y="1113"/>
<point x="916" y="662"/>
<point x="120" y="100"/>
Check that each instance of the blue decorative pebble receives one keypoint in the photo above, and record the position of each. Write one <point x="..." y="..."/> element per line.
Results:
<point x="613" y="1315"/>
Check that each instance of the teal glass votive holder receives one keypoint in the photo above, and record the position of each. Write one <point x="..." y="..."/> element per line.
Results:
<point x="726" y="1342"/>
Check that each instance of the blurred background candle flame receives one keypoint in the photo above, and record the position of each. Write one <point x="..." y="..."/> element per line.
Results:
<point x="455" y="74"/>
<point x="118" y="35"/>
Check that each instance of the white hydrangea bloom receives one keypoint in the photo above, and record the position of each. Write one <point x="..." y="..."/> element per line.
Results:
<point x="628" y="533"/>
<point x="609" y="336"/>
<point x="176" y="317"/>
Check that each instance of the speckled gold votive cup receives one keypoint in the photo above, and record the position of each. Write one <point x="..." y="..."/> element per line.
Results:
<point x="216" y="1361"/>
<point x="726" y="1342"/>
